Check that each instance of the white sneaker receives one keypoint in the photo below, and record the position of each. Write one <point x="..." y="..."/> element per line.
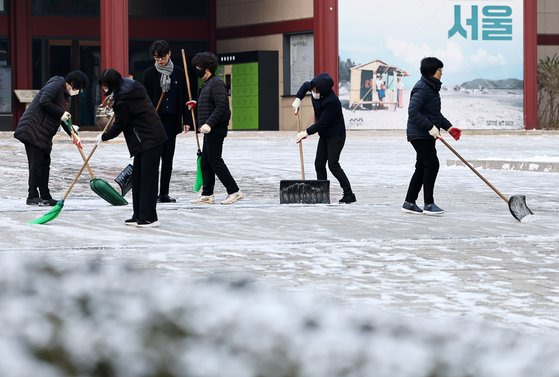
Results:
<point x="204" y="199"/>
<point x="234" y="197"/>
<point x="147" y="224"/>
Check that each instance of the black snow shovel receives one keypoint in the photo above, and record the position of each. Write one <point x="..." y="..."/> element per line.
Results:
<point x="517" y="203"/>
<point x="97" y="185"/>
<point x="304" y="191"/>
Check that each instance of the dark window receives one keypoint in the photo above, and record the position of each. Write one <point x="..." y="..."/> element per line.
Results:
<point x="168" y="8"/>
<point x="58" y="58"/>
<point x="66" y="8"/>
<point x="5" y="78"/>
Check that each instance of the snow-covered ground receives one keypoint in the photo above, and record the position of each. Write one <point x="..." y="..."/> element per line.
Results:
<point x="366" y="261"/>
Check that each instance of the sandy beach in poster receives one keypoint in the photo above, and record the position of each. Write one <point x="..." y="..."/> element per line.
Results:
<point x="498" y="109"/>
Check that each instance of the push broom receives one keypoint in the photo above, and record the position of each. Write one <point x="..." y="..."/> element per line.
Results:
<point x="97" y="185"/>
<point x="198" y="182"/>
<point x="55" y="211"/>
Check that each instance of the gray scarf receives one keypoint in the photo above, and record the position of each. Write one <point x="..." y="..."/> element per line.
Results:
<point x="165" y="71"/>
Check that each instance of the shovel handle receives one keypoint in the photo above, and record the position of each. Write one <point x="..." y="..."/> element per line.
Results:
<point x="83" y="156"/>
<point x="110" y="122"/>
<point x="159" y="102"/>
<point x="300" y="149"/>
<point x="473" y="169"/>
<point x="190" y="97"/>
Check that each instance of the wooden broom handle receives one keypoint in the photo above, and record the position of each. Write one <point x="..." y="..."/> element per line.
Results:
<point x="190" y="97"/>
<point x="86" y="162"/>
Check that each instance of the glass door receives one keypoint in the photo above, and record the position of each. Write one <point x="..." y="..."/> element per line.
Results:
<point x="54" y="57"/>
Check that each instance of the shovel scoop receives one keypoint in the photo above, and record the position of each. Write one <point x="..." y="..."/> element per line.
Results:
<point x="518" y="207"/>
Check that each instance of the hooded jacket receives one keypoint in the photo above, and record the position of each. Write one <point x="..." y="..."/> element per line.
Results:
<point x="40" y="121"/>
<point x="135" y="116"/>
<point x="329" y="120"/>
<point x="424" y="110"/>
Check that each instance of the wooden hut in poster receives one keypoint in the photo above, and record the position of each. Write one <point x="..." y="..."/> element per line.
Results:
<point x="364" y="85"/>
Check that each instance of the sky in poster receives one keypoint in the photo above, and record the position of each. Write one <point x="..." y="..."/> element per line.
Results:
<point x="401" y="32"/>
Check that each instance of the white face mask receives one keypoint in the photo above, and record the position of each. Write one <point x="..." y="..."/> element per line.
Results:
<point x="74" y="92"/>
<point x="315" y="95"/>
<point x="106" y="90"/>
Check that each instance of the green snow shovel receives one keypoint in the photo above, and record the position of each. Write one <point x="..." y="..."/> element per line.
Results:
<point x="99" y="186"/>
<point x="55" y="211"/>
<point x="517" y="203"/>
<point x="199" y="181"/>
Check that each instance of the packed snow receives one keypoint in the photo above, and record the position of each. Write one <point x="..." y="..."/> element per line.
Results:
<point x="263" y="289"/>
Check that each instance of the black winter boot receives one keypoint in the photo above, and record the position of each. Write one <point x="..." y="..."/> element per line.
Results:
<point x="348" y="198"/>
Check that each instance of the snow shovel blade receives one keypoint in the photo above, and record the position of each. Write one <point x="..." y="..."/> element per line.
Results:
<point x="199" y="182"/>
<point x="305" y="192"/>
<point x="518" y="207"/>
<point x="50" y="215"/>
<point x="107" y="192"/>
<point x="124" y="179"/>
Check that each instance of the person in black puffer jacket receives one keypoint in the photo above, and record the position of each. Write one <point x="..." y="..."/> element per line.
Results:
<point x="213" y="116"/>
<point x="37" y="127"/>
<point x="330" y="125"/>
<point x="165" y="77"/>
<point x="135" y="116"/>
<point x="424" y="123"/>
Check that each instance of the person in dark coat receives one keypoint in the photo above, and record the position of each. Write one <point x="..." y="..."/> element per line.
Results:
<point x="38" y="125"/>
<point x="213" y="116"/>
<point x="424" y="123"/>
<point x="165" y="77"/>
<point x="330" y="125"/>
<point x="136" y="118"/>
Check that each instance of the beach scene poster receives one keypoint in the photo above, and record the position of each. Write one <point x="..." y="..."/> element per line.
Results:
<point x="480" y="43"/>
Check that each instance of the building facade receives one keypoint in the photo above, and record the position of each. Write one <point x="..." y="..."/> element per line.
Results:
<point x="42" y="38"/>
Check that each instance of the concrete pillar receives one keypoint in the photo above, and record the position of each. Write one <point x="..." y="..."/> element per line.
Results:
<point x="530" y="64"/>
<point x="326" y="38"/>
<point x="20" y="51"/>
<point x="114" y="35"/>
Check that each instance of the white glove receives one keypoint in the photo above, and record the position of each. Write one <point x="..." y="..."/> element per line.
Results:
<point x="65" y="116"/>
<point x="296" y="105"/>
<point x="302" y="135"/>
<point x="99" y="138"/>
<point x="205" y="129"/>
<point x="434" y="131"/>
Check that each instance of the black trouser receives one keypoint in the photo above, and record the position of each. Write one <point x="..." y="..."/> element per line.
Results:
<point x="170" y="123"/>
<point x="39" y="171"/>
<point x="329" y="150"/>
<point x="426" y="169"/>
<point x="212" y="164"/>
<point x="144" y="184"/>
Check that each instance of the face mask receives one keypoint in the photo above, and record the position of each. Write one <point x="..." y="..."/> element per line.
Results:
<point x="315" y="95"/>
<point x="74" y="92"/>
<point x="200" y="72"/>
<point x="106" y="90"/>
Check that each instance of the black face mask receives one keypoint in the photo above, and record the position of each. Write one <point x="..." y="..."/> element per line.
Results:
<point x="200" y="72"/>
